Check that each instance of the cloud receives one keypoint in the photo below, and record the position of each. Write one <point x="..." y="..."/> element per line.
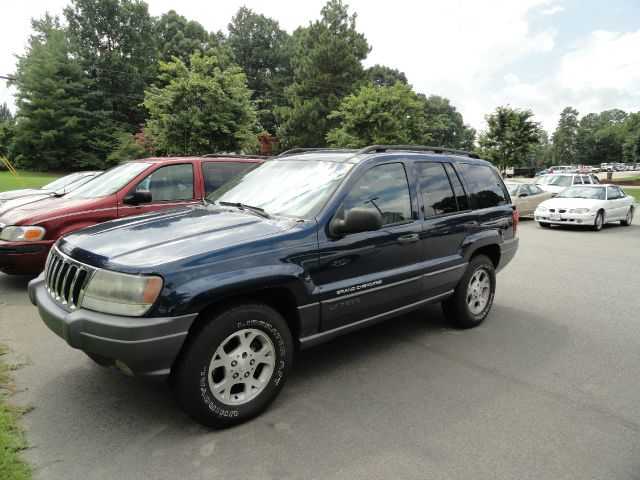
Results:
<point x="553" y="10"/>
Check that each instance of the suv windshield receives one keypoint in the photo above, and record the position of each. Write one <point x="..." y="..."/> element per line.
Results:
<point x="291" y="188"/>
<point x="560" y="181"/>
<point x="110" y="181"/>
<point x="596" y="193"/>
<point x="63" y="182"/>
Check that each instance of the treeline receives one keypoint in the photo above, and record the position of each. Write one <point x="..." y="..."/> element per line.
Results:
<point x="108" y="82"/>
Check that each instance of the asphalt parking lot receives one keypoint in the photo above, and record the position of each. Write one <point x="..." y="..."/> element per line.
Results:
<point x="547" y="388"/>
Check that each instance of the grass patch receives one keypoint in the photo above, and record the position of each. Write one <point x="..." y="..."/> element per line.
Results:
<point x="634" y="192"/>
<point x="31" y="179"/>
<point x="625" y="179"/>
<point x="12" y="439"/>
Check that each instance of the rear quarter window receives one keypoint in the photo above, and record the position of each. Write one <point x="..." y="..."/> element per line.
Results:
<point x="485" y="187"/>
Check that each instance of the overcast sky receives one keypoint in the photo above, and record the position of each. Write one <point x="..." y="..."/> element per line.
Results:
<point x="537" y="54"/>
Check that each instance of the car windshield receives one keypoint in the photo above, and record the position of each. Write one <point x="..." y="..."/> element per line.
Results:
<point x="64" y="181"/>
<point x="596" y="193"/>
<point x="290" y="188"/>
<point x="559" y="181"/>
<point x="110" y="181"/>
<point x="512" y="188"/>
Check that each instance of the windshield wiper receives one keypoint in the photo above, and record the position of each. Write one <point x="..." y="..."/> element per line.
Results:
<point x="244" y="206"/>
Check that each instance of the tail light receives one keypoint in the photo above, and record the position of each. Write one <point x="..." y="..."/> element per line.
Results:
<point x="516" y="221"/>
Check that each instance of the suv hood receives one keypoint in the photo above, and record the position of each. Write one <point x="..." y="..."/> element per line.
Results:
<point x="44" y="209"/>
<point x="156" y="238"/>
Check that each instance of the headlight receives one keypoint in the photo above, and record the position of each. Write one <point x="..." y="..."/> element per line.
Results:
<point x="541" y="208"/>
<point x="579" y="210"/>
<point x="22" y="234"/>
<point x="121" y="293"/>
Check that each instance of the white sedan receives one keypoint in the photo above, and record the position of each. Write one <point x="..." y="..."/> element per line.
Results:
<point x="590" y="205"/>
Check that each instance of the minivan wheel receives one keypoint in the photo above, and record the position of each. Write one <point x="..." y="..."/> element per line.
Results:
<point x="232" y="369"/>
<point x="473" y="296"/>
<point x="628" y="219"/>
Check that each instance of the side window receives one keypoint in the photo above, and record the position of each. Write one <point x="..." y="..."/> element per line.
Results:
<point x="486" y="186"/>
<point x="217" y="174"/>
<point x="384" y="188"/>
<point x="525" y="189"/>
<point x="173" y="182"/>
<point x="621" y="193"/>
<point x="612" y="193"/>
<point x="437" y="193"/>
<point x="535" y="190"/>
<point x="461" y="195"/>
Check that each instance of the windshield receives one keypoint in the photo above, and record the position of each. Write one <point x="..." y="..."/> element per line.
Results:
<point x="512" y="188"/>
<point x="596" y="193"/>
<point x="289" y="188"/>
<point x="559" y="181"/>
<point x="63" y="181"/>
<point x="73" y="185"/>
<point x="110" y="181"/>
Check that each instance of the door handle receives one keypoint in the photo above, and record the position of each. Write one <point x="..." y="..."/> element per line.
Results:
<point x="411" y="238"/>
<point x="470" y="225"/>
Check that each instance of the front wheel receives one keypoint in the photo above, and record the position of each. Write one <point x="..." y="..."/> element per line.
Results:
<point x="473" y="296"/>
<point x="544" y="224"/>
<point x="235" y="366"/>
<point x="599" y="222"/>
<point x="628" y="219"/>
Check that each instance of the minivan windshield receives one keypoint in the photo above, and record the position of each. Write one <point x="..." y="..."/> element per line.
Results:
<point x="110" y="181"/>
<point x="290" y="188"/>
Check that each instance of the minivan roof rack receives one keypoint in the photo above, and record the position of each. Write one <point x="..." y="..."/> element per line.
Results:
<point x="414" y="148"/>
<point x="293" y="151"/>
<point x="233" y="155"/>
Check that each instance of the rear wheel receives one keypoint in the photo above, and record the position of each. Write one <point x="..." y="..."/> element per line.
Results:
<point x="628" y="219"/>
<point x="473" y="296"/>
<point x="234" y="367"/>
<point x="599" y="222"/>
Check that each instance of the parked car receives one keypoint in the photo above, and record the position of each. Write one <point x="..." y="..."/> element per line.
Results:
<point x="529" y="172"/>
<point x="60" y="185"/>
<point x="23" y="200"/>
<point x="542" y="173"/>
<point x="563" y="169"/>
<point x="557" y="182"/>
<point x="27" y="232"/>
<point x="526" y="196"/>
<point x="607" y="167"/>
<point x="299" y="250"/>
<point x="594" y="169"/>
<point x="588" y="205"/>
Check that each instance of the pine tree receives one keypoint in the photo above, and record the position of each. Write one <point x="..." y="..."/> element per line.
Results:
<point x="565" y="136"/>
<point x="327" y="65"/>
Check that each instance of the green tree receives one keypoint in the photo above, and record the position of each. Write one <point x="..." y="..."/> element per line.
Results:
<point x="114" y="41"/>
<point x="542" y="154"/>
<point x="380" y="75"/>
<point x="380" y="115"/>
<point x="5" y="114"/>
<point x="263" y="51"/>
<point x="327" y="65"/>
<point x="201" y="108"/>
<point x="445" y="124"/>
<point x="52" y="99"/>
<point x="601" y="137"/>
<point x="181" y="38"/>
<point x="126" y="149"/>
<point x="564" y="139"/>
<point x="510" y="138"/>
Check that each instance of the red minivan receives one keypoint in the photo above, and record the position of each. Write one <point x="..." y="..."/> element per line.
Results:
<point x="27" y="232"/>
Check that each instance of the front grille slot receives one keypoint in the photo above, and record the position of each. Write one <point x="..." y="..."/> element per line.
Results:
<point x="65" y="279"/>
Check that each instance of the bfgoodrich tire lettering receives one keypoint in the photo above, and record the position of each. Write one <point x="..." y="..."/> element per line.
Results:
<point x="473" y="296"/>
<point x="235" y="366"/>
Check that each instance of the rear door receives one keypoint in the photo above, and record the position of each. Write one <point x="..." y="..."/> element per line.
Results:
<point x="170" y="186"/>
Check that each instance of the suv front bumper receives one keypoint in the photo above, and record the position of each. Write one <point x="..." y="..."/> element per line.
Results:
<point x="134" y="345"/>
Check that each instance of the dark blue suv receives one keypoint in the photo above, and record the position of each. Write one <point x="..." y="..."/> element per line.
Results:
<point x="298" y="250"/>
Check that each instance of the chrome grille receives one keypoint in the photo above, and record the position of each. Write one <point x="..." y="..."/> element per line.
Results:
<point x="66" y="279"/>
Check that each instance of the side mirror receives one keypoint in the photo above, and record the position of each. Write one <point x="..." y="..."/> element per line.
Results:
<point x="137" y="197"/>
<point x="356" y="220"/>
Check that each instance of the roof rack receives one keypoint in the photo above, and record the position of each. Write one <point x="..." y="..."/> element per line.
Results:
<point x="233" y="155"/>
<point x="293" y="151"/>
<point x="415" y="148"/>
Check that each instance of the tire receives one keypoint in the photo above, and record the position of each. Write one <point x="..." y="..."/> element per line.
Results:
<point x="248" y="341"/>
<point x="473" y="296"/>
<point x="598" y="222"/>
<point x="628" y="219"/>
<point x="544" y="224"/>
